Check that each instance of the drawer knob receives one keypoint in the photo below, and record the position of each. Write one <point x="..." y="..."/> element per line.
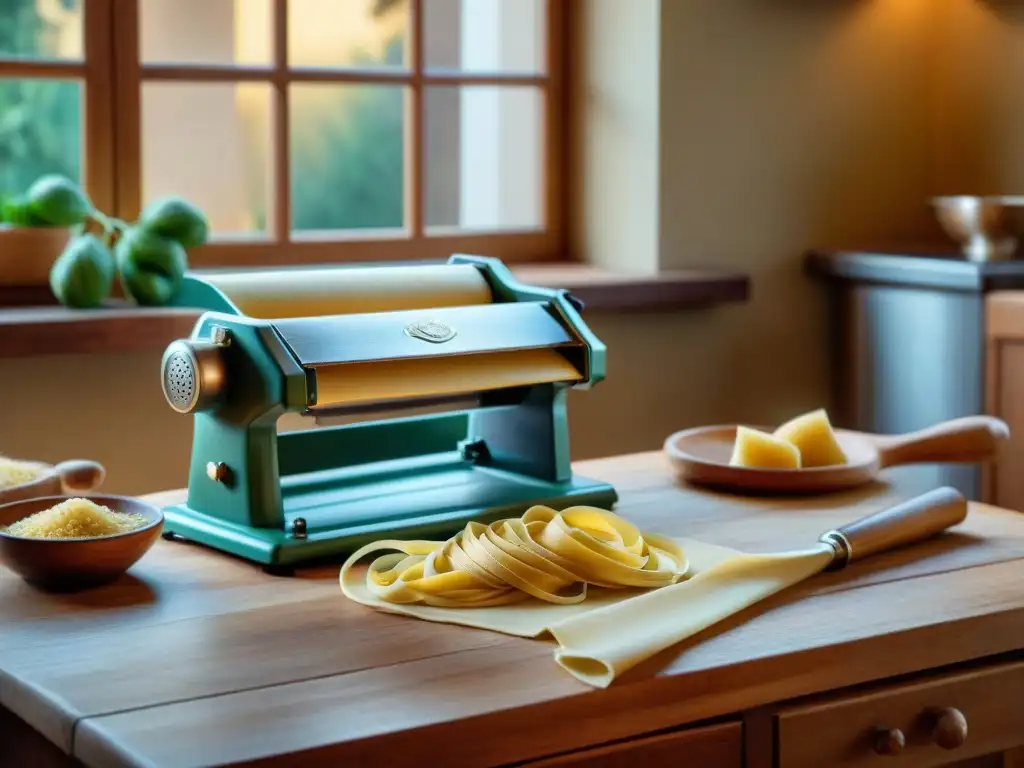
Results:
<point x="889" y="741"/>
<point x="950" y="727"/>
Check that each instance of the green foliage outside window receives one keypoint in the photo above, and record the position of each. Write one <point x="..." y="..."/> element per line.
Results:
<point x="347" y="168"/>
<point x="40" y="120"/>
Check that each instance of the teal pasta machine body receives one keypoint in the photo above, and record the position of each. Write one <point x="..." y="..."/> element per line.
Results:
<point x="438" y="390"/>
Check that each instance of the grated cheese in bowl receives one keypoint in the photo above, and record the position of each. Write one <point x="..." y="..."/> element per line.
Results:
<point x="14" y="473"/>
<point x="76" y="519"/>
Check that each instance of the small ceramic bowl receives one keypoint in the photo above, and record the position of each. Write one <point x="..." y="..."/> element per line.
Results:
<point x="69" y="565"/>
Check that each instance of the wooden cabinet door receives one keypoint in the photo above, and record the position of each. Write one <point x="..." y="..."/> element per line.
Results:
<point x="967" y="718"/>
<point x="713" y="746"/>
<point x="1003" y="482"/>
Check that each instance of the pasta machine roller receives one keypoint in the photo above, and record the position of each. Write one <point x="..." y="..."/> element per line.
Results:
<point x="485" y="363"/>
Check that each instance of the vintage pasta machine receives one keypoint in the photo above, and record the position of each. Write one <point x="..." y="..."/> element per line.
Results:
<point x="463" y="335"/>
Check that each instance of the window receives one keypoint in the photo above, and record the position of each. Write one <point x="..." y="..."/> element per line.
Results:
<point x="56" y="104"/>
<point x="307" y="130"/>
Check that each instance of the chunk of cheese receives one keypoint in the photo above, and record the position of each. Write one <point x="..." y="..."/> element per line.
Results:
<point x="756" y="449"/>
<point x="813" y="436"/>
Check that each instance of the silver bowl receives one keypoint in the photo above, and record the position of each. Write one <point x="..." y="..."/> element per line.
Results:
<point x="987" y="228"/>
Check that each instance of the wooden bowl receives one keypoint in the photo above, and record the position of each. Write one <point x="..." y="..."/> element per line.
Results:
<point x="68" y="565"/>
<point x="28" y="253"/>
<point x="74" y="477"/>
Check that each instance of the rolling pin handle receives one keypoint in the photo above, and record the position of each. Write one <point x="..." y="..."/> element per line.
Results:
<point x="913" y="520"/>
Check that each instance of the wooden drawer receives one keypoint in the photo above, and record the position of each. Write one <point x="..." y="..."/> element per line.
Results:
<point x="715" y="746"/>
<point x="842" y="732"/>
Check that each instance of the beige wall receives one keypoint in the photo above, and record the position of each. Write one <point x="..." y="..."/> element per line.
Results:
<point x="731" y="133"/>
<point x="767" y="128"/>
<point x="104" y="407"/>
<point x="978" y="138"/>
<point x="786" y="125"/>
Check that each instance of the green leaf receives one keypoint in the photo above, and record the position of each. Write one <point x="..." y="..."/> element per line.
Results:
<point x="17" y="212"/>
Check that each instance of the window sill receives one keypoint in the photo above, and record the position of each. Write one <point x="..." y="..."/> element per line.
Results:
<point x="31" y="331"/>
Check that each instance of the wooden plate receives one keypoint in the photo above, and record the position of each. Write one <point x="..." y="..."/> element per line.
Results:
<point x="701" y="456"/>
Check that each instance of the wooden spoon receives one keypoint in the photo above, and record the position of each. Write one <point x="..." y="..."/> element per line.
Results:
<point x="77" y="476"/>
<point x="701" y="456"/>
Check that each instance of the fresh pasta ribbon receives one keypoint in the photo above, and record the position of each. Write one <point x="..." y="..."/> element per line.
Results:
<point x="547" y="555"/>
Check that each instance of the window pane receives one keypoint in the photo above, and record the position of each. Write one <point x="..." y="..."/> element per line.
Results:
<point x="347" y="156"/>
<point x="40" y="131"/>
<point x="41" y="29"/>
<point x="207" y="32"/>
<point x="485" y="35"/>
<point x="210" y="143"/>
<point x="484" y="157"/>
<point x="347" y="33"/>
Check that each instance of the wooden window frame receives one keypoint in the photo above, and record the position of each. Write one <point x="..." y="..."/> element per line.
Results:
<point x="112" y="73"/>
<point x="546" y="243"/>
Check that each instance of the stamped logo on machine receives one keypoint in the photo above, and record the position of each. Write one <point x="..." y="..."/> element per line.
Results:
<point x="434" y="331"/>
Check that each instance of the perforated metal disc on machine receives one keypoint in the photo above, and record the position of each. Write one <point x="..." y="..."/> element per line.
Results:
<point x="180" y="381"/>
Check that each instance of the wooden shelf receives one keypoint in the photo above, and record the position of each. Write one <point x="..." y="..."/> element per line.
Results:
<point x="605" y="290"/>
<point x="35" y="329"/>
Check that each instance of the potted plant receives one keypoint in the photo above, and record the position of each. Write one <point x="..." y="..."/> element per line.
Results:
<point x="49" y="227"/>
<point x="34" y="230"/>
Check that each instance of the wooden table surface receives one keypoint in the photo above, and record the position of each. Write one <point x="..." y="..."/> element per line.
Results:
<point x="200" y="659"/>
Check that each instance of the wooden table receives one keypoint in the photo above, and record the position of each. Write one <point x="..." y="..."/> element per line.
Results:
<point x="199" y="659"/>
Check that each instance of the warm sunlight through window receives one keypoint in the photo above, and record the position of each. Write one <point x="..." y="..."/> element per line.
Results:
<point x="307" y="130"/>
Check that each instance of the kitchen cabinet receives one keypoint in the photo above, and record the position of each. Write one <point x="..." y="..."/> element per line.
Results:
<point x="971" y="717"/>
<point x="918" y="338"/>
<point x="907" y="343"/>
<point x="1004" y="353"/>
